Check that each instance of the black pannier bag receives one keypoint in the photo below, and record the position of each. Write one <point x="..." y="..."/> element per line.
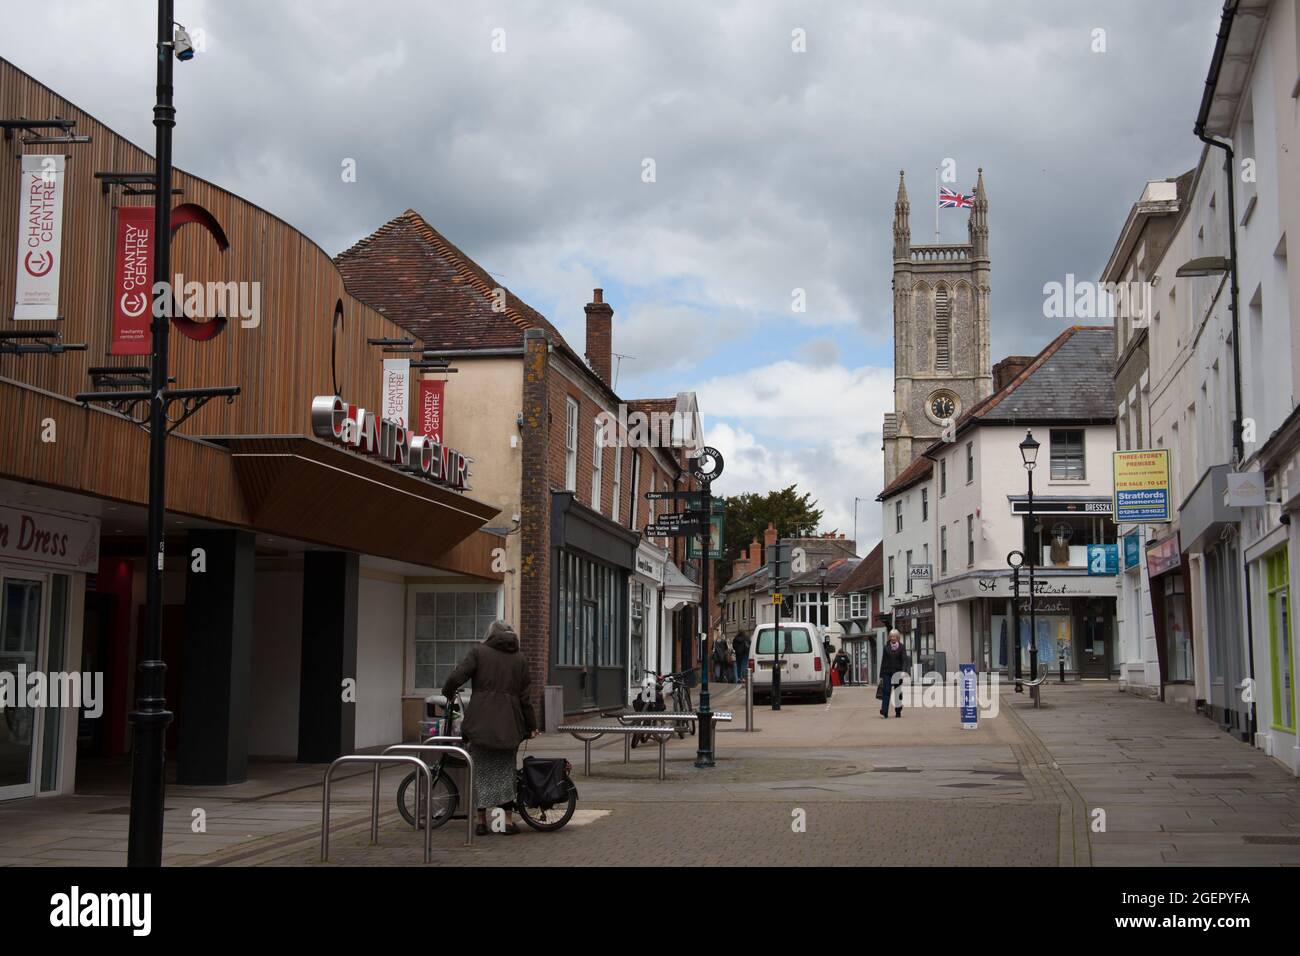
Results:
<point x="544" y="782"/>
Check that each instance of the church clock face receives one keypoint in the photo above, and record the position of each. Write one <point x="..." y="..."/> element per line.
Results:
<point x="941" y="407"/>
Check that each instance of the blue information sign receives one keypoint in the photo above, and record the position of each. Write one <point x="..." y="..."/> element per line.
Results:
<point x="970" y="716"/>
<point x="1132" y="550"/>
<point x="1103" y="559"/>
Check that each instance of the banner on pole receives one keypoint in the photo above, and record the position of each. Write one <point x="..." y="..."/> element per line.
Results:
<point x="397" y="387"/>
<point x="430" y="416"/>
<point x="132" y="281"/>
<point x="40" y="238"/>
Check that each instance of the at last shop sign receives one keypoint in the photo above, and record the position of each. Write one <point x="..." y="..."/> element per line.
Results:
<point x="1142" y="487"/>
<point x="333" y="420"/>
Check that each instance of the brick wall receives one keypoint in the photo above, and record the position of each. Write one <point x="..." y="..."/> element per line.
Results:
<point x="535" y="513"/>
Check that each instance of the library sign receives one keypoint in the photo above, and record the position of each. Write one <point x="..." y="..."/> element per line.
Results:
<point x="336" y="421"/>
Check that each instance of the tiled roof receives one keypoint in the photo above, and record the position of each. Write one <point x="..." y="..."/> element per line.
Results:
<point x="917" y="471"/>
<point x="413" y="275"/>
<point x="1068" y="380"/>
<point x="868" y="574"/>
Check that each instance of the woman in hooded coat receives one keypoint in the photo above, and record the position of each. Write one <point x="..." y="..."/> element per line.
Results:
<point x="498" y="718"/>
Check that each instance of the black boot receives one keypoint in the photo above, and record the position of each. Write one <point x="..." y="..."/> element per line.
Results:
<point x="898" y="712"/>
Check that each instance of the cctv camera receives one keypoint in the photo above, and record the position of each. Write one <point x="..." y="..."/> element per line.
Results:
<point x="182" y="45"/>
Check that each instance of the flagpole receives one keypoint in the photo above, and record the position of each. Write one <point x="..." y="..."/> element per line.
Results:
<point x="936" y="205"/>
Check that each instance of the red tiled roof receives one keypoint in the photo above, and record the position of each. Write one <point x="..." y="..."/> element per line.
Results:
<point x="868" y="574"/>
<point x="413" y="275"/>
<point x="918" y="470"/>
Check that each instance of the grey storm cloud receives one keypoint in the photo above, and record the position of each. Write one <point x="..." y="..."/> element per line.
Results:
<point x="774" y="169"/>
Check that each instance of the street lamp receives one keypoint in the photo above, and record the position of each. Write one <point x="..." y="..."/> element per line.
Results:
<point x="1029" y="455"/>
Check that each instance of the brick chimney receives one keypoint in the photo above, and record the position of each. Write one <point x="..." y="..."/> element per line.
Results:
<point x="769" y="539"/>
<point x="1008" y="369"/>
<point x="600" y="321"/>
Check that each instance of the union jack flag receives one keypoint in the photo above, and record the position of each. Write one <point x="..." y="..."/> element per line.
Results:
<point x="951" y="200"/>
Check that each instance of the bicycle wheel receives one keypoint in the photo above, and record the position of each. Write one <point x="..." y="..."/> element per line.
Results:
<point x="445" y="798"/>
<point x="549" y="819"/>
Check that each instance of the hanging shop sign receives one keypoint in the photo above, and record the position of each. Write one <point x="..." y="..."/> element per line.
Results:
<point x="46" y="539"/>
<point x="334" y="420"/>
<point x="430" y="416"/>
<point x="1103" y="559"/>
<point x="1142" y="486"/>
<point x="132" y="281"/>
<point x="1163" y="556"/>
<point x="40" y="238"/>
<point x="1245" y="490"/>
<point x="397" y="391"/>
<point x="1132" y="550"/>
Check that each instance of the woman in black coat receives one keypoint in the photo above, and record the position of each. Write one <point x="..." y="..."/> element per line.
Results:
<point x="893" y="660"/>
<point x="499" y="716"/>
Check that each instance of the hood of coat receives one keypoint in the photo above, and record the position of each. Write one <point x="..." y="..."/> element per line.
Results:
<point x="502" y="637"/>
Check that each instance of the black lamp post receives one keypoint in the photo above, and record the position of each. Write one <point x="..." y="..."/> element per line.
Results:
<point x="1029" y="454"/>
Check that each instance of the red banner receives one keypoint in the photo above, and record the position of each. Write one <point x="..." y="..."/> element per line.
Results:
<point x="430" y="418"/>
<point x="132" y="281"/>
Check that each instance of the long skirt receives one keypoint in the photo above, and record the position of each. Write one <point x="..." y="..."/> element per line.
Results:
<point x="494" y="776"/>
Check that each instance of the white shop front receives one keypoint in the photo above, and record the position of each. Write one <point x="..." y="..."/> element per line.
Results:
<point x="645" y="614"/>
<point x="1074" y="620"/>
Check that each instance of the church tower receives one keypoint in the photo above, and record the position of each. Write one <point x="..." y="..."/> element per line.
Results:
<point x="941" y="331"/>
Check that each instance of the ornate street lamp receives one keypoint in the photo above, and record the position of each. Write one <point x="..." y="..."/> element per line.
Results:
<point x="1029" y="455"/>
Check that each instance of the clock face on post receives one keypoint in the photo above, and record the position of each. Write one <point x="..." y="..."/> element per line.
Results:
<point x="942" y="407"/>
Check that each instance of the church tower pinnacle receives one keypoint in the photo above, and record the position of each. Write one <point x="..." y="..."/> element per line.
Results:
<point x="902" y="224"/>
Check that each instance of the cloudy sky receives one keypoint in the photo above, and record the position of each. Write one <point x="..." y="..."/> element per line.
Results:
<point x="522" y="130"/>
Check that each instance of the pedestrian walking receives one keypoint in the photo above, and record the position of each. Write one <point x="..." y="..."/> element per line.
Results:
<point x="893" y="660"/>
<point x="740" y="645"/>
<point x="719" y="657"/>
<point x="499" y="716"/>
<point x="842" y="665"/>
<point x="731" y="664"/>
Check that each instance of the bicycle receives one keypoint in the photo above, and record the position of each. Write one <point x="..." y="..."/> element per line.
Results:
<point x="541" y="816"/>
<point x="446" y="795"/>
<point x="681" y="702"/>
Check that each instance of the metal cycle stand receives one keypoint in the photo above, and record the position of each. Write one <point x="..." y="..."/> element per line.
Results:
<point x="377" y="759"/>
<point x="428" y="809"/>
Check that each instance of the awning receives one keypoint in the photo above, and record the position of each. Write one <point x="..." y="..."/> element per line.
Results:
<point x="313" y="491"/>
<point x="679" y="590"/>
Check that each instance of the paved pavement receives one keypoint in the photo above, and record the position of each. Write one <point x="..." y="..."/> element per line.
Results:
<point x="818" y="784"/>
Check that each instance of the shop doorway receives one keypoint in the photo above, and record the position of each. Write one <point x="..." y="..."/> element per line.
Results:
<point x="33" y="638"/>
<point x="1094" y="639"/>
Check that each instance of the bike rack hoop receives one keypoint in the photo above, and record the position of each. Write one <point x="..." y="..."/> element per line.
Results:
<point x="436" y="748"/>
<point x="377" y="760"/>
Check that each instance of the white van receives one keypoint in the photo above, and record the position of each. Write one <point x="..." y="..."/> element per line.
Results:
<point x="804" y="668"/>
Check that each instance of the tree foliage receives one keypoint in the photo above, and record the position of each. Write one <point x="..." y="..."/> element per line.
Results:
<point x="748" y="515"/>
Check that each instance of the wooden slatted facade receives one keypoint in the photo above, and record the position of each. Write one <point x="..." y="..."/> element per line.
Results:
<point x="280" y="365"/>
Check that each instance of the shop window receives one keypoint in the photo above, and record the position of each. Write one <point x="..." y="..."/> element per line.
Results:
<point x="1062" y="540"/>
<point x="1178" y="641"/>
<point x="589" y="606"/>
<point x="1067" y="454"/>
<point x="447" y="625"/>
<point x="636" y="653"/>
<point x="1282" y="658"/>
